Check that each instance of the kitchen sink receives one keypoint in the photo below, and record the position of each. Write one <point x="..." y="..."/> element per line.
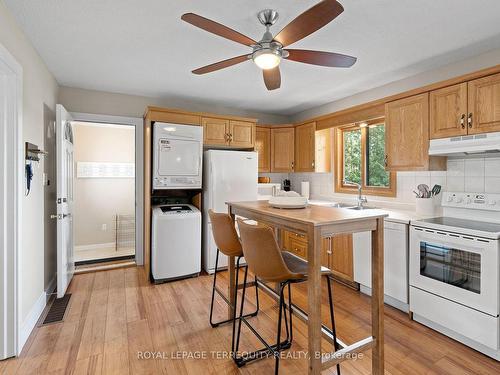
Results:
<point x="342" y="205"/>
<point x="357" y="208"/>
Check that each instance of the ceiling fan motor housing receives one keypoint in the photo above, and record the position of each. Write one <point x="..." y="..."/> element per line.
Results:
<point x="267" y="17"/>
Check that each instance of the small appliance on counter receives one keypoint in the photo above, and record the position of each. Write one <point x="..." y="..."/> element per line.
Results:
<point x="286" y="185"/>
<point x="455" y="270"/>
<point x="265" y="190"/>
<point x="176" y="242"/>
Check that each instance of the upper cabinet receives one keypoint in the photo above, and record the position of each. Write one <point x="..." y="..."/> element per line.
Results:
<point x="282" y="150"/>
<point x="484" y="105"/>
<point x="263" y="148"/>
<point x="305" y="150"/>
<point x="448" y="108"/>
<point x="228" y="133"/>
<point x="407" y="133"/>
<point x="466" y="108"/>
<point x="215" y="131"/>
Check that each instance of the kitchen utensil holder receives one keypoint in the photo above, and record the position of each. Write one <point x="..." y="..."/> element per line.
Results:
<point x="425" y="206"/>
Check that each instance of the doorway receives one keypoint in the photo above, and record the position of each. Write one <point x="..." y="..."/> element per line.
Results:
<point x="104" y="192"/>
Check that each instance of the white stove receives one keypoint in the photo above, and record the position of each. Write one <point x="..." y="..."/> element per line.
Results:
<point x="454" y="270"/>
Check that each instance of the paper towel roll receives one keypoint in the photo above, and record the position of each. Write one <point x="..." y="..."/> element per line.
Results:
<point x="304" y="189"/>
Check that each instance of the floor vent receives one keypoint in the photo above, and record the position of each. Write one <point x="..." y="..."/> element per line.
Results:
<point x="57" y="310"/>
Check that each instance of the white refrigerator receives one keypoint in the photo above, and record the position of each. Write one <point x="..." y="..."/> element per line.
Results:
<point x="228" y="176"/>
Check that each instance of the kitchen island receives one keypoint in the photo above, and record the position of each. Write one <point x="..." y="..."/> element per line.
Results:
<point x="317" y="222"/>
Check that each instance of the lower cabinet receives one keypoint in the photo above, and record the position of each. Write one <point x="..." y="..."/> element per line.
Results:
<point x="337" y="252"/>
<point x="395" y="263"/>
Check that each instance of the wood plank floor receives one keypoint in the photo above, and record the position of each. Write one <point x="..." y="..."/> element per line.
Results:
<point x="117" y="321"/>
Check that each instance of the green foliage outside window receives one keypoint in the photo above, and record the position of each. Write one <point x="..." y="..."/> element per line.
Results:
<point x="376" y="174"/>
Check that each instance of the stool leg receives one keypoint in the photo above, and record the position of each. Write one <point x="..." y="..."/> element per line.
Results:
<point x="332" y="317"/>
<point x="235" y="347"/>
<point x="290" y="311"/>
<point x="235" y="304"/>
<point x="277" y="353"/>
<point x="256" y="298"/>
<point x="213" y="290"/>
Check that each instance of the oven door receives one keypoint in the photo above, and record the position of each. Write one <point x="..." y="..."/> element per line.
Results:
<point x="461" y="268"/>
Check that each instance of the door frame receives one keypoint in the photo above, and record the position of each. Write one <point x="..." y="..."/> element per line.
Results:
<point x="138" y="123"/>
<point x="11" y="195"/>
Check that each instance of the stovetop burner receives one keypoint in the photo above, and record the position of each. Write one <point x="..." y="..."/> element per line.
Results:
<point x="465" y="224"/>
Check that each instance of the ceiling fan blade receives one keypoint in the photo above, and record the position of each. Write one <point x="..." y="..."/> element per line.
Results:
<point x="331" y="59"/>
<point x="221" y="64"/>
<point x="217" y="29"/>
<point x="310" y="21"/>
<point x="272" y="78"/>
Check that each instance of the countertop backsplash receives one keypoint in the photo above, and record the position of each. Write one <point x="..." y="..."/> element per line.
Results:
<point x="474" y="174"/>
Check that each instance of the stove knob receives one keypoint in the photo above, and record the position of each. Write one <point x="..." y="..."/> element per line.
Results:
<point x="468" y="201"/>
<point x="458" y="199"/>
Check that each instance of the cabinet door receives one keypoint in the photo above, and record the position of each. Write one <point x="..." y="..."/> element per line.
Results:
<point x="305" y="147"/>
<point x="241" y="134"/>
<point x="263" y="148"/>
<point x="215" y="131"/>
<point x="484" y="105"/>
<point x="448" y="109"/>
<point x="282" y="150"/>
<point x="341" y="260"/>
<point x="407" y="133"/>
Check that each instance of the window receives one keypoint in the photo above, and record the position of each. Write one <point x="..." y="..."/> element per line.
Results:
<point x="360" y="158"/>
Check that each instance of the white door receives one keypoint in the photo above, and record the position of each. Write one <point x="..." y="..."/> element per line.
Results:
<point x="65" y="175"/>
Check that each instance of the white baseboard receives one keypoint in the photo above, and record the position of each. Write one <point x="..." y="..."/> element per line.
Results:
<point x="94" y="246"/>
<point x="30" y="322"/>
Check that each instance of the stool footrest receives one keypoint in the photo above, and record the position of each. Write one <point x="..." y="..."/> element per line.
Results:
<point x="261" y="353"/>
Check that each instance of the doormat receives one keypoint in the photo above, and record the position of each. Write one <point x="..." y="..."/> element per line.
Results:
<point x="57" y="310"/>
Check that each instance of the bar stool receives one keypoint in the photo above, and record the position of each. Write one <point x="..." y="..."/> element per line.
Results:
<point x="269" y="263"/>
<point x="228" y="243"/>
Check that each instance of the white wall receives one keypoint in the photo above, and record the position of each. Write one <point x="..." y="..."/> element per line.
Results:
<point x="98" y="200"/>
<point x="39" y="89"/>
<point x="456" y="69"/>
<point x="99" y="102"/>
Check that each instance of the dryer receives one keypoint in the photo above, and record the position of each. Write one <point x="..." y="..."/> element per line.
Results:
<point x="177" y="156"/>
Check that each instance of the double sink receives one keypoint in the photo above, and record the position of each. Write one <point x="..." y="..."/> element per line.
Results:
<point x="350" y="206"/>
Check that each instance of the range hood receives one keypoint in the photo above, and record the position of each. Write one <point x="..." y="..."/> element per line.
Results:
<point x="466" y="145"/>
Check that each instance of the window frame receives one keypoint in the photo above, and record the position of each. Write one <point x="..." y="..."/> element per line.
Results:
<point x="340" y="187"/>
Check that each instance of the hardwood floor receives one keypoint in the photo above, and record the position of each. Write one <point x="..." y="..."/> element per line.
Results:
<point x="117" y="323"/>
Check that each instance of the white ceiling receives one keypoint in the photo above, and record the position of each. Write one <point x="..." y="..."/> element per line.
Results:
<point x="143" y="47"/>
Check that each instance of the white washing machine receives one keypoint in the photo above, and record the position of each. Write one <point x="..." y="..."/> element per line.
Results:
<point x="176" y="242"/>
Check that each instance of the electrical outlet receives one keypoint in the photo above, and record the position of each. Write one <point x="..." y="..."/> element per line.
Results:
<point x="104" y="227"/>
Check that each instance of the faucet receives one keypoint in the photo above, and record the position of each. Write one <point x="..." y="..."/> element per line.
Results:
<point x="361" y="199"/>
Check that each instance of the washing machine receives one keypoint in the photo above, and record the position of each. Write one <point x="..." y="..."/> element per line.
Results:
<point x="176" y="242"/>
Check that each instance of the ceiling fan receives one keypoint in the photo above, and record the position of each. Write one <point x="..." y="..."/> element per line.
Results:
<point x="269" y="51"/>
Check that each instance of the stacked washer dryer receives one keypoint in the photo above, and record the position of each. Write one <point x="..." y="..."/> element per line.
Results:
<point x="176" y="228"/>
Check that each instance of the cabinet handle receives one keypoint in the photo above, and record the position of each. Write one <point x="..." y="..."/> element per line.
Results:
<point x="386" y="158"/>
<point x="312" y="164"/>
<point x="330" y="250"/>
<point x="469" y="120"/>
<point x="462" y="121"/>
<point x="292" y="164"/>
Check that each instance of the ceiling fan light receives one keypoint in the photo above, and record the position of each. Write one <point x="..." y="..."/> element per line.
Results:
<point x="266" y="59"/>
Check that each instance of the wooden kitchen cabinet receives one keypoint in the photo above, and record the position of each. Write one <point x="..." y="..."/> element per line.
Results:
<point x="341" y="259"/>
<point x="337" y="252"/>
<point x="484" y="105"/>
<point x="282" y="150"/>
<point x="407" y="135"/>
<point x="228" y="133"/>
<point x="305" y="147"/>
<point x="241" y="134"/>
<point x="215" y="131"/>
<point x="448" y="111"/>
<point x="263" y="148"/>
